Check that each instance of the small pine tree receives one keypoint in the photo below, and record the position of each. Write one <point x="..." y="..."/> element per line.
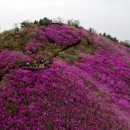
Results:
<point x="92" y="30"/>
<point x="26" y="23"/>
<point x="35" y="22"/>
<point x="104" y="34"/>
<point x="45" y="21"/>
<point x="16" y="29"/>
<point x="69" y="22"/>
<point x="76" y="23"/>
<point x="125" y="43"/>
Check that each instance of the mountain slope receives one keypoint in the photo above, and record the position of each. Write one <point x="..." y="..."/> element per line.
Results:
<point x="58" y="77"/>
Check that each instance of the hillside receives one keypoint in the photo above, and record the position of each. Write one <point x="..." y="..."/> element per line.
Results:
<point x="62" y="77"/>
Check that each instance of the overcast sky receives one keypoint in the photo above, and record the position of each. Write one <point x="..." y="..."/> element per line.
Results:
<point x="110" y="16"/>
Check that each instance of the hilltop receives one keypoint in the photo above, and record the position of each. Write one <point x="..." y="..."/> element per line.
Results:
<point x="56" y="76"/>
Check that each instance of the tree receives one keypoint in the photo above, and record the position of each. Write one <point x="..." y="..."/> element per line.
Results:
<point x="35" y="22"/>
<point x="76" y="23"/>
<point x="45" y="21"/>
<point x="125" y="43"/>
<point x="16" y="29"/>
<point x="92" y="30"/>
<point x="26" y="24"/>
<point x="104" y="34"/>
<point x="72" y="22"/>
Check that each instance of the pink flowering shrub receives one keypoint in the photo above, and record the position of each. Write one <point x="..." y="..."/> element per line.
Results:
<point x="33" y="47"/>
<point x="63" y="35"/>
<point x="10" y="60"/>
<point x="39" y="36"/>
<point x="93" y="93"/>
<point x="60" y="34"/>
<point x="36" y="43"/>
<point x="54" y="99"/>
<point x="110" y="68"/>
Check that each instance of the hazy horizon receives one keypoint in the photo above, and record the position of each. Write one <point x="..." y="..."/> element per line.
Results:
<point x="111" y="16"/>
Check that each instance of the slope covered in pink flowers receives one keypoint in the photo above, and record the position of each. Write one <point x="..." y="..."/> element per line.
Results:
<point x="86" y="86"/>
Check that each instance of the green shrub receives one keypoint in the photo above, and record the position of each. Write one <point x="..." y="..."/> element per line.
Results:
<point x="26" y="24"/>
<point x="35" y="22"/>
<point x="16" y="30"/>
<point x="110" y="37"/>
<point x="125" y="43"/>
<point x="45" y="21"/>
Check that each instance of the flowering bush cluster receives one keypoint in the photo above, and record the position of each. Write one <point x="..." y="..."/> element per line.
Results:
<point x="110" y="68"/>
<point x="10" y="60"/>
<point x="90" y="94"/>
<point x="39" y="36"/>
<point x="33" y="47"/>
<point x="59" y="34"/>
<point x="36" y="43"/>
<point x="64" y="35"/>
<point x="48" y="100"/>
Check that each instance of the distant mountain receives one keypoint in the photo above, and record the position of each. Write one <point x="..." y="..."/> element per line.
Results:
<point x="55" y="76"/>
